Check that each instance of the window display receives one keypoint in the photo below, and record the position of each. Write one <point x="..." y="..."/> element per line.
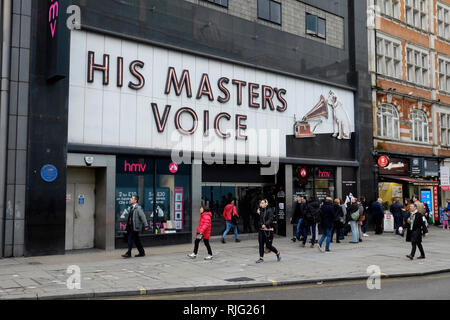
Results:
<point x="166" y="209"/>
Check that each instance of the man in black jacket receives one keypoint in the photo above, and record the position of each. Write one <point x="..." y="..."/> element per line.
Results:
<point x="298" y="217"/>
<point x="416" y="226"/>
<point x="312" y="216"/>
<point x="265" y="235"/>
<point x="327" y="214"/>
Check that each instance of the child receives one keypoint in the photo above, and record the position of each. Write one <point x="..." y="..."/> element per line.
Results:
<point x="203" y="232"/>
<point x="445" y="219"/>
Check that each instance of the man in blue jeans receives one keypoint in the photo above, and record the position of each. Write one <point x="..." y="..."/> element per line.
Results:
<point x="310" y="222"/>
<point x="228" y="213"/>
<point x="327" y="221"/>
<point x="298" y="217"/>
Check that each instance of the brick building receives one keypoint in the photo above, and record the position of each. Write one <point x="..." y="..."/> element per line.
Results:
<point x="409" y="54"/>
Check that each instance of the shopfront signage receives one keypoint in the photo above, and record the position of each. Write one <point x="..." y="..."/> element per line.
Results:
<point x="130" y="167"/>
<point x="324" y="174"/>
<point x="163" y="99"/>
<point x="383" y="161"/>
<point x="173" y="167"/>
<point x="53" y="14"/>
<point x="417" y="167"/>
<point x="431" y="168"/>
<point x="436" y="203"/>
<point x="49" y="173"/>
<point x="395" y="166"/>
<point x="303" y="172"/>
<point x="445" y="178"/>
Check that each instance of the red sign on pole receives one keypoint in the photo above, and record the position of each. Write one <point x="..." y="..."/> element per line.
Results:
<point x="436" y="203"/>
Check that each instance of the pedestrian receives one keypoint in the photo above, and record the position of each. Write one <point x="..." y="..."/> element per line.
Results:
<point x="445" y="219"/>
<point x="419" y="205"/>
<point x="360" y="220"/>
<point x="230" y="214"/>
<point x="344" y="225"/>
<point x="339" y="221"/>
<point x="396" y="210"/>
<point x="378" y="215"/>
<point x="327" y="216"/>
<point x="135" y="221"/>
<point x="312" y="216"/>
<point x="353" y="218"/>
<point x="266" y="231"/>
<point x="365" y="217"/>
<point x="203" y="232"/>
<point x="297" y="218"/>
<point x="416" y="226"/>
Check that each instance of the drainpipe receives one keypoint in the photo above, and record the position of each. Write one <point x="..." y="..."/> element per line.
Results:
<point x="4" y="109"/>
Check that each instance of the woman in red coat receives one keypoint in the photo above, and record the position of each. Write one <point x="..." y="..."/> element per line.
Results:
<point x="203" y="233"/>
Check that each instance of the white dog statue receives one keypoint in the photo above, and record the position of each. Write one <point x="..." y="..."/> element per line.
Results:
<point x="341" y="121"/>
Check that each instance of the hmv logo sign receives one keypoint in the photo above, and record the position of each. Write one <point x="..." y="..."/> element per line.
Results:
<point x="134" y="167"/>
<point x="324" y="174"/>
<point x="53" y="14"/>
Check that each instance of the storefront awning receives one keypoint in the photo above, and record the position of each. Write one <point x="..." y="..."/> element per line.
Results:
<point x="414" y="181"/>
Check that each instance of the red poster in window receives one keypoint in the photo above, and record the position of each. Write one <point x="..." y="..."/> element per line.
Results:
<point x="436" y="203"/>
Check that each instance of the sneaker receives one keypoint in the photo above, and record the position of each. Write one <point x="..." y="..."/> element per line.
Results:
<point x="365" y="235"/>
<point x="207" y="258"/>
<point x="320" y="247"/>
<point x="192" y="255"/>
<point x="237" y="240"/>
<point x="223" y="240"/>
<point x="260" y="261"/>
<point x="279" y="257"/>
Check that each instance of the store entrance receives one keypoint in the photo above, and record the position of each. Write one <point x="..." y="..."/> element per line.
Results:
<point x="247" y="196"/>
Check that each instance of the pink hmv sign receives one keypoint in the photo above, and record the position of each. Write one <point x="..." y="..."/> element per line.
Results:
<point x="178" y="202"/>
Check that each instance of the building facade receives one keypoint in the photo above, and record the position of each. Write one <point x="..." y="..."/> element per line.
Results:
<point x="183" y="103"/>
<point x="409" y="48"/>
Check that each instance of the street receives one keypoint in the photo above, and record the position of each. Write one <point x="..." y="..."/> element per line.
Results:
<point x="434" y="287"/>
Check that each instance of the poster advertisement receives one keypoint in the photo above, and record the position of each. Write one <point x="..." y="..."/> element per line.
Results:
<point x="178" y="205"/>
<point x="123" y="196"/>
<point x="445" y="178"/>
<point x="397" y="192"/>
<point x="162" y="209"/>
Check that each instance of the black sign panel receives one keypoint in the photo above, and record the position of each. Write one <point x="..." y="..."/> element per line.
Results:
<point x="431" y="168"/>
<point x="417" y="167"/>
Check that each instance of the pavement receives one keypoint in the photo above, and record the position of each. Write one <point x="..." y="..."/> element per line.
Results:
<point x="167" y="269"/>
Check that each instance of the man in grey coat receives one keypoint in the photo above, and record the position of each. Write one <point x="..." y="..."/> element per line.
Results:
<point x="135" y="221"/>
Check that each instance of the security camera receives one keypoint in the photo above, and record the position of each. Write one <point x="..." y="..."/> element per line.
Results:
<point x="89" y="161"/>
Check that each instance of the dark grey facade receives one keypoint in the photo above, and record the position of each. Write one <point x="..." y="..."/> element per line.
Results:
<point x="202" y="30"/>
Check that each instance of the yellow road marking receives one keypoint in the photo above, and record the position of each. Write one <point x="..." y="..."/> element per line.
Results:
<point x="272" y="289"/>
<point x="274" y="283"/>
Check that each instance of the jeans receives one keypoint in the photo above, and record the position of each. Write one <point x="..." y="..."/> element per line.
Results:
<point x="326" y="234"/>
<point x="206" y="242"/>
<point x="299" y="229"/>
<point x="229" y="226"/>
<point x="133" y="237"/>
<point x="266" y="238"/>
<point x="364" y="226"/>
<point x="355" y="234"/>
<point x="309" y="226"/>
<point x="398" y="222"/>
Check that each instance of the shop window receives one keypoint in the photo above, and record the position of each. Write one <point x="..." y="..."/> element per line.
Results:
<point x="168" y="209"/>
<point x="419" y="126"/>
<point x="269" y="10"/>
<point x="315" y="182"/>
<point x="222" y="3"/>
<point x="315" y="26"/>
<point x="388" y="122"/>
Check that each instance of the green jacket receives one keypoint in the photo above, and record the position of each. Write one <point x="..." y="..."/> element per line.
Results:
<point x="139" y="219"/>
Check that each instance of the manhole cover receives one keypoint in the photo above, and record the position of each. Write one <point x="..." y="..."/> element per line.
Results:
<point x="239" y="279"/>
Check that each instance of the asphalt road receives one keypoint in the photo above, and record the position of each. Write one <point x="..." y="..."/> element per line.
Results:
<point x="434" y="287"/>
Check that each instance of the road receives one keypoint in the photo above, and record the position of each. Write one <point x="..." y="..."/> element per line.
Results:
<point x="434" y="287"/>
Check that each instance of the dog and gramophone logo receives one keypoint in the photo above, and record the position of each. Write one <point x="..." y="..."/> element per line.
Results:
<point x="319" y="116"/>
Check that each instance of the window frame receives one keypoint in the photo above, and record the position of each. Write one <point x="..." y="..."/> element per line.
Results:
<point x="414" y="60"/>
<point x="387" y="114"/>
<point x="444" y="72"/>
<point x="417" y="15"/>
<point x="383" y="58"/>
<point x="416" y="118"/>
<point x="443" y="21"/>
<point x="218" y="4"/>
<point x="393" y="7"/>
<point x="315" y="33"/>
<point x="270" y="12"/>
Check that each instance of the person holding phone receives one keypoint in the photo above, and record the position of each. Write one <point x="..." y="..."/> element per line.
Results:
<point x="266" y="230"/>
<point x="203" y="233"/>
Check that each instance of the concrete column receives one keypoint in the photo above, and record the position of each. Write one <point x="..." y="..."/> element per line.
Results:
<point x="339" y="182"/>
<point x="289" y="200"/>
<point x="196" y="195"/>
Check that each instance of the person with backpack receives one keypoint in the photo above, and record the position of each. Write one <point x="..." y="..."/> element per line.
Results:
<point x="312" y="217"/>
<point x="352" y="219"/>
<point x="231" y="219"/>
<point x="203" y="233"/>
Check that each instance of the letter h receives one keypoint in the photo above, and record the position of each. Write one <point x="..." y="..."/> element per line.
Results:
<point x="97" y="67"/>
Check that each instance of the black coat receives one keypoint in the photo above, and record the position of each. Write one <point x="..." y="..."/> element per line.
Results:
<point x="419" y="228"/>
<point x="327" y="215"/>
<point x="338" y="213"/>
<point x="396" y="209"/>
<point x="299" y="212"/>
<point x="266" y="218"/>
<point x="313" y="212"/>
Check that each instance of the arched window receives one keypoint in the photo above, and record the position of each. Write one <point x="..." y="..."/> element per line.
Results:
<point x="388" y="124"/>
<point x="419" y="126"/>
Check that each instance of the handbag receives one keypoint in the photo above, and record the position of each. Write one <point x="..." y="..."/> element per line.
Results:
<point x="235" y="220"/>
<point x="355" y="215"/>
<point x="199" y="236"/>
